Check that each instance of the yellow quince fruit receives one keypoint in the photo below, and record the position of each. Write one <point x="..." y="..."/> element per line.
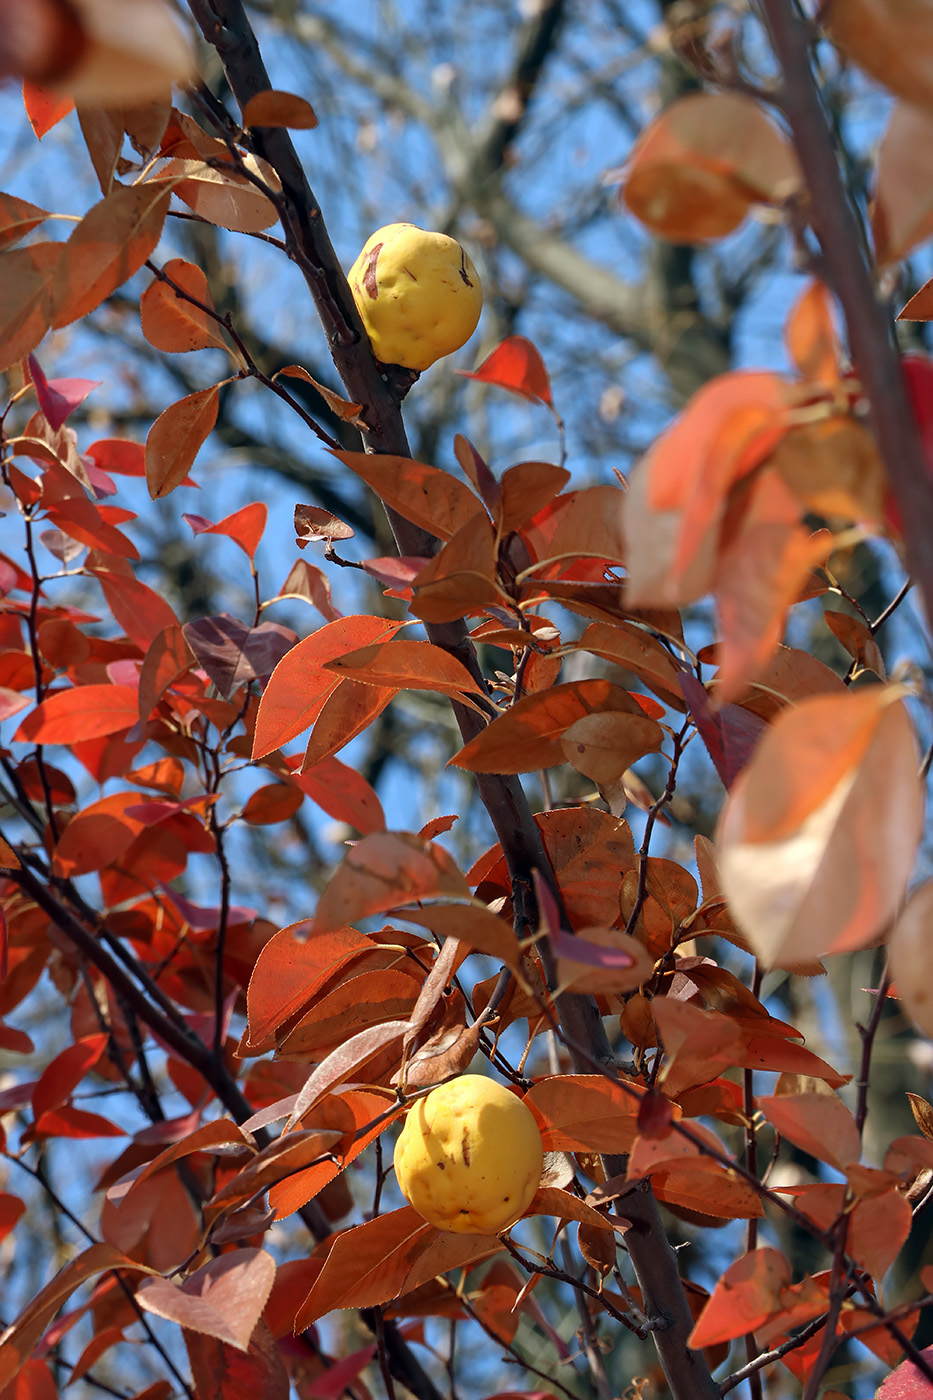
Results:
<point x="417" y="293"/>
<point x="469" y="1158"/>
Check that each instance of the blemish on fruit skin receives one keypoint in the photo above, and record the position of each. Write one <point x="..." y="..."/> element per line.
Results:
<point x="443" y="1166"/>
<point x="463" y="271"/>
<point x="465" y="1146"/>
<point x="370" y="282"/>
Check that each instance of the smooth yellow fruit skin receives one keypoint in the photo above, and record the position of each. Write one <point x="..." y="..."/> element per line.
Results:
<point x="417" y="293"/>
<point x="469" y="1158"/>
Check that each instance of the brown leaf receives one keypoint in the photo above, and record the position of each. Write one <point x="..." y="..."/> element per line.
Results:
<point x="345" y="1063"/>
<point x="171" y="323"/>
<point x="347" y="412"/>
<point x="396" y="1253"/>
<point x="17" y="218"/>
<point x="383" y="871"/>
<point x="603" y="746"/>
<point x="274" y="108"/>
<point x="176" y="437"/>
<point x="436" y="501"/>
<point x="529" y="735"/>
<point x="23" y="1334"/>
<point x="923" y="1114"/>
<point x="223" y="197"/>
<point x="314" y="523"/>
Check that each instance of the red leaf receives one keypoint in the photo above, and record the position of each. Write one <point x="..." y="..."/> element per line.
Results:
<point x="223" y="1299"/>
<point x="907" y="1382"/>
<point x="342" y="793"/>
<point x="17" y="218"/>
<point x="85" y="712"/>
<point x="515" y="365"/>
<point x="59" y="1079"/>
<point x="139" y="610"/>
<point x="44" y="107"/>
<point x="58" y="398"/>
<point x="118" y="455"/>
<point x="244" y="526"/>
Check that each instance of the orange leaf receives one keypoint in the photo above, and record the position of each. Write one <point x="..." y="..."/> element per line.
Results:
<point x="759" y="574"/>
<point x="386" y="870"/>
<point x="528" y="736"/>
<point x="819" y="1123"/>
<point x="909" y="953"/>
<point x="218" y="1369"/>
<point x="98" y="835"/>
<point x="811" y="335"/>
<point x="343" y="794"/>
<point x="817" y="839"/>
<point x="44" y="106"/>
<point x="892" y="40"/>
<point x="346" y="711"/>
<point x="111" y="242"/>
<point x="176" y="437"/>
<point x="747" y="1294"/>
<point x="585" y="1113"/>
<point x="635" y="650"/>
<point x="515" y="365"/>
<point x="433" y="499"/>
<point x="475" y="925"/>
<point x="697" y="169"/>
<point x="84" y="712"/>
<point x="274" y="108"/>
<point x="169" y="322"/>
<point x="406" y="665"/>
<point x="290" y="969"/>
<point x="277" y="802"/>
<point x="25" y="306"/>
<point x="299" y="684"/>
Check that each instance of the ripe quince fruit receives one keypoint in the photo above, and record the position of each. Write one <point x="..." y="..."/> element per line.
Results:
<point x="418" y="294"/>
<point x="469" y="1158"/>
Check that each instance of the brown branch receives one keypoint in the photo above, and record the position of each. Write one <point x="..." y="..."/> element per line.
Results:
<point x="225" y="25"/>
<point x="869" y="326"/>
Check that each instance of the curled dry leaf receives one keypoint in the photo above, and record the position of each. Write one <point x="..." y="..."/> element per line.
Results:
<point x="818" y="836"/>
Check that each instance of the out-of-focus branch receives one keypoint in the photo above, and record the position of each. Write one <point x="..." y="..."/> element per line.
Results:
<point x="869" y="325"/>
